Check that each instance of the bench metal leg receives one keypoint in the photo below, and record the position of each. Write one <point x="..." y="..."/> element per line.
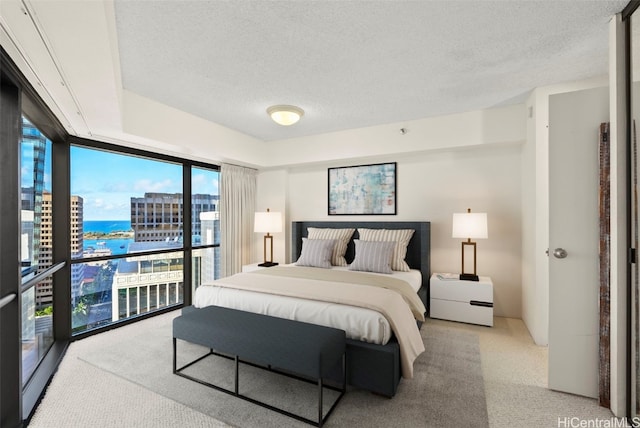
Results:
<point x="236" y="393"/>
<point x="320" y="402"/>
<point x="174" y="355"/>
<point x="237" y="376"/>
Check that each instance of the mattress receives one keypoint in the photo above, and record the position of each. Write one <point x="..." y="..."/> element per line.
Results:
<point x="361" y="324"/>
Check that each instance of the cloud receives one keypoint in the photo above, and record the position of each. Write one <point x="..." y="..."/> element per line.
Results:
<point x="166" y="186"/>
<point x="205" y="184"/>
<point x="106" y="209"/>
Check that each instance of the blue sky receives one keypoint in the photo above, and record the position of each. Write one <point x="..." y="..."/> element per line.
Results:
<point x="107" y="181"/>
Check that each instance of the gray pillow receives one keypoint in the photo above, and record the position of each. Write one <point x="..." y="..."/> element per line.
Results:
<point x="373" y="256"/>
<point x="316" y="253"/>
<point x="400" y="236"/>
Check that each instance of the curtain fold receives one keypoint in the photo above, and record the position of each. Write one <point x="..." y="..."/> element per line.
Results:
<point x="237" y="208"/>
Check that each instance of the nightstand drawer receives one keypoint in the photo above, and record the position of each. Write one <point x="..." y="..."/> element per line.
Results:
<point x="461" y="311"/>
<point x="463" y="291"/>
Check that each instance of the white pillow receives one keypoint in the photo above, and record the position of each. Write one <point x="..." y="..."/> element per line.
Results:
<point x="373" y="256"/>
<point x="341" y="237"/>
<point x="316" y="253"/>
<point x="401" y="237"/>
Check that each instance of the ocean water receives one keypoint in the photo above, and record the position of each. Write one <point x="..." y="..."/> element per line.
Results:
<point x="117" y="246"/>
<point x="106" y="226"/>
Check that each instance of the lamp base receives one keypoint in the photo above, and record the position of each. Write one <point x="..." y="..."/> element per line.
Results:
<point x="268" y="264"/>
<point x="469" y="277"/>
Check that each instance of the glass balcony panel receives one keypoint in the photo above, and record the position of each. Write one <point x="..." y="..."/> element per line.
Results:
<point x="205" y="266"/>
<point x="205" y="224"/>
<point x="37" y="332"/>
<point x="137" y="291"/>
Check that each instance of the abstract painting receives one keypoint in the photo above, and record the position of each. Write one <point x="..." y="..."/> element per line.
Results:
<point x="363" y="190"/>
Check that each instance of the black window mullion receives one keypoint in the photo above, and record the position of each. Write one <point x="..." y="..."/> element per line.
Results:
<point x="10" y="315"/>
<point x="61" y="213"/>
<point x="187" y="197"/>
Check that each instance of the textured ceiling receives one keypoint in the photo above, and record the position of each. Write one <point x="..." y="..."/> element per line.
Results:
<point x="352" y="64"/>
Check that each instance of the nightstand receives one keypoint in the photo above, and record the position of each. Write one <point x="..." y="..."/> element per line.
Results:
<point x="252" y="267"/>
<point x="463" y="301"/>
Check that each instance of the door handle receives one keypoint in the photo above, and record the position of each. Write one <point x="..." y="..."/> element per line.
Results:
<point x="560" y="253"/>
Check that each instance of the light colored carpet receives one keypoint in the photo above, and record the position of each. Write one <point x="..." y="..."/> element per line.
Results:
<point x="448" y="378"/>
<point x="513" y="367"/>
<point x="515" y="379"/>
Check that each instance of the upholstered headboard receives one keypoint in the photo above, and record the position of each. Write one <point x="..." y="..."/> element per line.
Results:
<point x="418" y="250"/>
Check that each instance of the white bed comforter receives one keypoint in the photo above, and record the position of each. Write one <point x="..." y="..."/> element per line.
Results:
<point x="394" y="299"/>
<point x="361" y="324"/>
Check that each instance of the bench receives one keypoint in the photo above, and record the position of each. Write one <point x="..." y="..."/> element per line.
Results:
<point x="304" y="351"/>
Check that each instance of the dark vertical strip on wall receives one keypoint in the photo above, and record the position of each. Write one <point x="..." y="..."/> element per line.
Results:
<point x="634" y="320"/>
<point x="605" y="269"/>
<point x="10" y="315"/>
<point x="631" y="201"/>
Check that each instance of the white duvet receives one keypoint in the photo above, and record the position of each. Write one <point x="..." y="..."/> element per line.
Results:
<point x="359" y="323"/>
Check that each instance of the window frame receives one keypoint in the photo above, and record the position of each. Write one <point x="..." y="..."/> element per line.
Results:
<point x="187" y="248"/>
<point x="17" y="98"/>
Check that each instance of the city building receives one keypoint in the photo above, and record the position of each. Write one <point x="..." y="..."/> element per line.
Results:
<point x="158" y="216"/>
<point x="147" y="282"/>
<point x="44" y="290"/>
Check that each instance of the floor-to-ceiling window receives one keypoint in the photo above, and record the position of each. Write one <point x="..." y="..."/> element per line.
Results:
<point x="205" y="221"/>
<point x="126" y="205"/>
<point x="92" y="235"/>
<point x="36" y="244"/>
<point x="134" y="242"/>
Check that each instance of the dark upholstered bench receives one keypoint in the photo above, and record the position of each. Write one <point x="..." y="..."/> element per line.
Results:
<point x="307" y="350"/>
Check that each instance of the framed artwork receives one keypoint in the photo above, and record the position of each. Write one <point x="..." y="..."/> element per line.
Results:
<point x="363" y="190"/>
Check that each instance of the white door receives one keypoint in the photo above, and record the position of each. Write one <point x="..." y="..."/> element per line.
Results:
<point x="574" y="121"/>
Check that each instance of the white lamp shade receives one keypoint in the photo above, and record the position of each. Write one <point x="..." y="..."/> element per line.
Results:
<point x="268" y="222"/>
<point x="470" y="225"/>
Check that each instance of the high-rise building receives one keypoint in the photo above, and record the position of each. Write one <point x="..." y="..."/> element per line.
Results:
<point x="145" y="283"/>
<point x="34" y="145"/>
<point x="44" y="290"/>
<point x="148" y="282"/>
<point x="159" y="216"/>
<point x="77" y="244"/>
<point x="205" y="266"/>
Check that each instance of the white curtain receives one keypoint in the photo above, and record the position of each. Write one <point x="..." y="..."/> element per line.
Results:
<point x="237" y="208"/>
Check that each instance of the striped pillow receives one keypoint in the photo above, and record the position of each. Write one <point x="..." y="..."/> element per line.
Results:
<point x="400" y="236"/>
<point x="316" y="253"/>
<point x="341" y="236"/>
<point x="373" y="256"/>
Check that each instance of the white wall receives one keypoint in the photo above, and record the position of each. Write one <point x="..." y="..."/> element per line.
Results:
<point x="445" y="165"/>
<point x="272" y="193"/>
<point x="474" y="128"/>
<point x="431" y="187"/>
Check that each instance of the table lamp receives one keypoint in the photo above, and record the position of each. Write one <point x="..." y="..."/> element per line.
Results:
<point x="268" y="222"/>
<point x="469" y="225"/>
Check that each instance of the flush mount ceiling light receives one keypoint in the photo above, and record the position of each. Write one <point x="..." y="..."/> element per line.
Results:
<point x="285" y="115"/>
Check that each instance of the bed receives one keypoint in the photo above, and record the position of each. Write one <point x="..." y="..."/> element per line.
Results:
<point x="382" y="332"/>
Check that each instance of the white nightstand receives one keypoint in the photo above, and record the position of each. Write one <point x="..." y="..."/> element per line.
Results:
<point x="464" y="301"/>
<point x="252" y="267"/>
